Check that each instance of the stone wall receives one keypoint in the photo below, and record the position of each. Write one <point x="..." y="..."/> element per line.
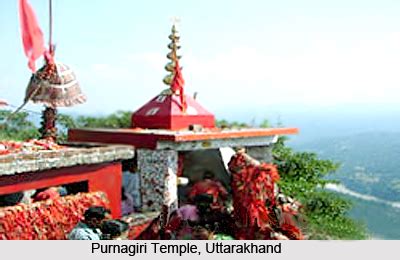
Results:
<point x="158" y="179"/>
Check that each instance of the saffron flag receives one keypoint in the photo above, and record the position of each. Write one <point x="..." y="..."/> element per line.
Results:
<point x="177" y="84"/>
<point x="32" y="36"/>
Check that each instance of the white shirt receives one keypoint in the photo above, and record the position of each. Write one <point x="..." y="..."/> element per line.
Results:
<point x="131" y="184"/>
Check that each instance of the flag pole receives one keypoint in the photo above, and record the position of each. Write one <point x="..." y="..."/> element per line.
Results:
<point x="49" y="114"/>
<point x="51" y="26"/>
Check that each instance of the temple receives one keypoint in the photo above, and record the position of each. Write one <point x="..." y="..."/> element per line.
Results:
<point x="173" y="134"/>
<point x="173" y="143"/>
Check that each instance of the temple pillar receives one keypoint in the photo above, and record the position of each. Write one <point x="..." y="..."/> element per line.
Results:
<point x="158" y="176"/>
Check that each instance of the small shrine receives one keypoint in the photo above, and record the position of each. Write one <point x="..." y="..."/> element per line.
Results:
<point x="169" y="129"/>
<point x="38" y="164"/>
<point x="89" y="174"/>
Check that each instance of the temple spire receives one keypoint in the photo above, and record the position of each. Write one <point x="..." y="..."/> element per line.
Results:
<point x="173" y="56"/>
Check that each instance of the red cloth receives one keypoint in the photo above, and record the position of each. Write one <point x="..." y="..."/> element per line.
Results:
<point x="48" y="220"/>
<point x="210" y="187"/>
<point x="177" y="84"/>
<point x="136" y="230"/>
<point x="292" y="232"/>
<point x="32" y="36"/>
<point x="50" y="193"/>
<point x="252" y="186"/>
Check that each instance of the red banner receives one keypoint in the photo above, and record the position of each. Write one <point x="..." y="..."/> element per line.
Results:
<point x="32" y="36"/>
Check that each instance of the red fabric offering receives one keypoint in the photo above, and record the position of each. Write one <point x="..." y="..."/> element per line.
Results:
<point x="50" y="193"/>
<point x="136" y="230"/>
<point x="209" y="187"/>
<point x="252" y="186"/>
<point x="254" y="201"/>
<point x="32" y="36"/>
<point x="177" y="84"/>
<point x="47" y="220"/>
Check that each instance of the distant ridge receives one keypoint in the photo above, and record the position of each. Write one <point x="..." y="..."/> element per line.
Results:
<point x="342" y="189"/>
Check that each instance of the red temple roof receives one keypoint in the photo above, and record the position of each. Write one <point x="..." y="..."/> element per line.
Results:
<point x="165" y="112"/>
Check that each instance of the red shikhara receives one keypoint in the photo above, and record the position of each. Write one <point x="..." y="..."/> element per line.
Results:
<point x="32" y="36"/>
<point x="47" y="220"/>
<point x="254" y="201"/>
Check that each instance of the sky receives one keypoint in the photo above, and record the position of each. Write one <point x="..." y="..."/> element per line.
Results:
<point x="242" y="57"/>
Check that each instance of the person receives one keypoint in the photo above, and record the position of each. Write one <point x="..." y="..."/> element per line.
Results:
<point x="89" y="227"/>
<point x="114" y="229"/>
<point x="211" y="187"/>
<point x="62" y="190"/>
<point x="47" y="193"/>
<point x="131" y="182"/>
<point x="214" y="219"/>
<point x="181" y="222"/>
<point x="202" y="233"/>
<point x="127" y="204"/>
<point x="28" y="194"/>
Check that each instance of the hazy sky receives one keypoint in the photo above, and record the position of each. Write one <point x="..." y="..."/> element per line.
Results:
<point x="256" y="55"/>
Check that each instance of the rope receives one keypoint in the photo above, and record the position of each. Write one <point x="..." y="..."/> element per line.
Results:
<point x="19" y="108"/>
<point x="23" y="104"/>
<point x="26" y="110"/>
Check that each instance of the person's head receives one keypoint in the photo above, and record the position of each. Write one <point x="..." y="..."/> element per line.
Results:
<point x="62" y="191"/>
<point x="94" y="216"/>
<point x="129" y="165"/>
<point x="203" y="202"/>
<point x="115" y="229"/>
<point x="208" y="175"/>
<point x="201" y="233"/>
<point x="49" y="193"/>
<point x="240" y="150"/>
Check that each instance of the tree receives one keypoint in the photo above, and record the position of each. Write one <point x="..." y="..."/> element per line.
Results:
<point x="119" y="119"/>
<point x="17" y="127"/>
<point x="303" y="177"/>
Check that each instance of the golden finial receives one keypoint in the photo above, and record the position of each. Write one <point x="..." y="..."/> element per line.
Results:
<point x="174" y="46"/>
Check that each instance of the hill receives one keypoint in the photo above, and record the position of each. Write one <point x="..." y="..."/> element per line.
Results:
<point x="369" y="161"/>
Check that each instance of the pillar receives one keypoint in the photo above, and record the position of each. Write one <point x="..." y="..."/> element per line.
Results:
<point x="158" y="177"/>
